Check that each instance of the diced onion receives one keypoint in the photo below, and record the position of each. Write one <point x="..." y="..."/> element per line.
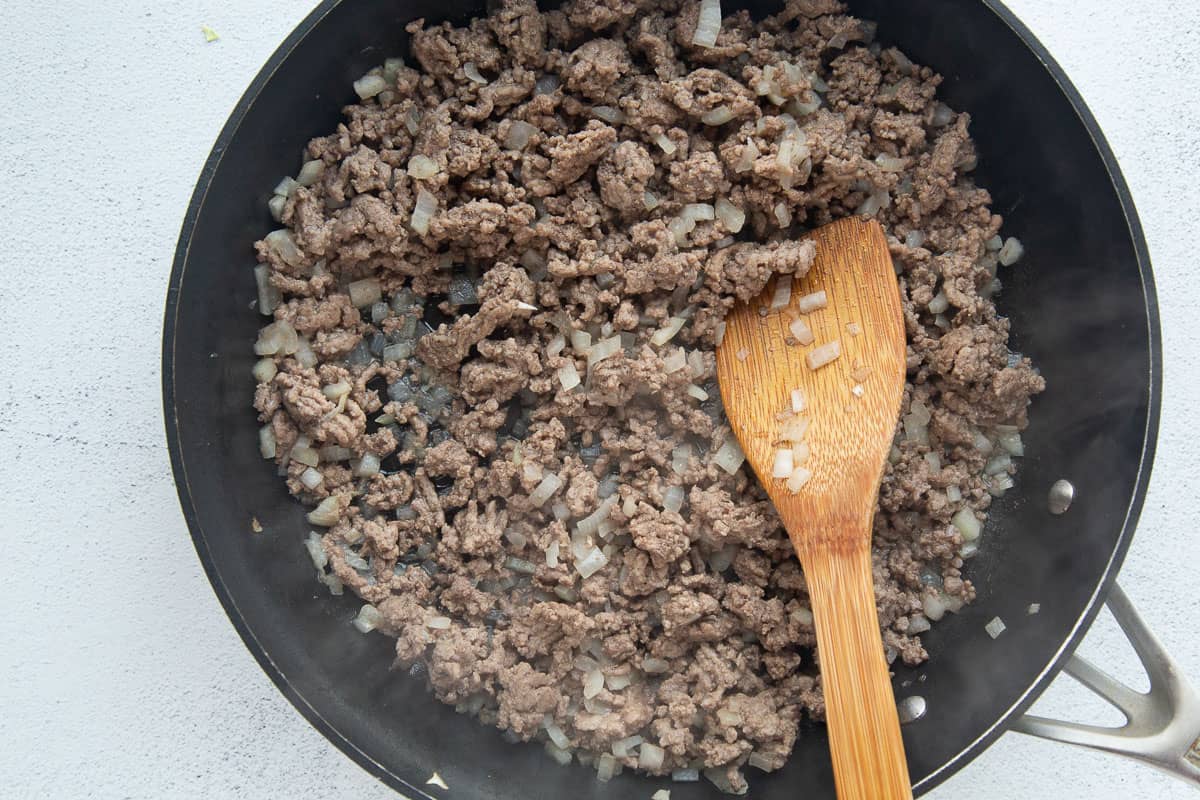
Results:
<point x="696" y="392"/>
<point x="581" y="341"/>
<point x="793" y="429"/>
<point x="729" y="456"/>
<point x="368" y="618"/>
<point x="797" y="401"/>
<point x="366" y="466"/>
<point x="696" y="364"/>
<point x="276" y="205"/>
<point x="591" y="523"/>
<point x="605" y="348"/>
<point x="783" y="466"/>
<point x="311" y="478"/>
<point x="1010" y="442"/>
<point x="593" y="683"/>
<point x="555" y="733"/>
<point x="998" y="464"/>
<point x="685" y="775"/>
<point x="650" y="756"/>
<point x="708" y="24"/>
<point x="606" y="767"/>
<point x="783" y="293"/>
<point x="365" y="292"/>
<point x="613" y="116"/>
<point x="732" y="217"/>
<point x="592" y="562"/>
<point x="939" y="303"/>
<point x="556" y="345"/>
<point x="698" y="212"/>
<point x="717" y="116"/>
<point x="664" y="143"/>
<point x="811" y="302"/>
<point x="661" y="794"/>
<point x="667" y="332"/>
<point x="1033" y="608"/>
<point x="968" y="524"/>
<point x="421" y="167"/>
<point x="438" y="623"/>
<point x="995" y="627"/>
<point x="673" y="499"/>
<point x="654" y="666"/>
<point x="304" y="455"/>
<point x="369" y="85"/>
<point x="327" y="513"/>
<point x="336" y="391"/>
<point x="283" y="244"/>
<point x="824" y="354"/>
<point x="719" y="333"/>
<point x="799" y="453"/>
<point x="750" y="154"/>
<point x="650" y="201"/>
<point x="520" y="565"/>
<point x="918" y="624"/>
<point x="674" y="361"/>
<point x="423" y="212"/>
<point x="799" y="477"/>
<point x="621" y="747"/>
<point x="568" y="375"/>
<point x="310" y="172"/>
<point x="563" y="757"/>
<point x="783" y="214"/>
<point x="1011" y="252"/>
<point x="264" y="370"/>
<point x="914" y="238"/>
<point x="519" y="134"/>
<point x="953" y="494"/>
<point x="472" y="73"/>
<point x="269" y="296"/>
<point x="545" y="490"/>
<point x="316" y="551"/>
<point x="680" y="456"/>
<point x="267" y="444"/>
<point x="552" y="554"/>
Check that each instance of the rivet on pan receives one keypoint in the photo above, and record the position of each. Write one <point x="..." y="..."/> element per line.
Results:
<point x="1061" y="495"/>
<point x="911" y="709"/>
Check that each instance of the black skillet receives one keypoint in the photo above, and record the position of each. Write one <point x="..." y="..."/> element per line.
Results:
<point x="1082" y="305"/>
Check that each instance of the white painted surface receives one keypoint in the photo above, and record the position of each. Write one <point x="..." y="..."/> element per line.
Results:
<point x="121" y="676"/>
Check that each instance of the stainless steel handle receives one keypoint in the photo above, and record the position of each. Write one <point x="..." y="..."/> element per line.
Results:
<point x="1162" y="726"/>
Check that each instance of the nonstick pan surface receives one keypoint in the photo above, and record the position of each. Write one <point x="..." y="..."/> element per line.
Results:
<point x="1082" y="306"/>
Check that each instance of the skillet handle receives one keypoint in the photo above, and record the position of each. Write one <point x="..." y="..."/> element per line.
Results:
<point x="1162" y="726"/>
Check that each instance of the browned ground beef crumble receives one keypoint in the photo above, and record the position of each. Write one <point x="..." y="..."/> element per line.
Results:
<point x="532" y="240"/>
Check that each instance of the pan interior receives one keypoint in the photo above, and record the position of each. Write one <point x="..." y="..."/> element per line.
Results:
<point x="1081" y="306"/>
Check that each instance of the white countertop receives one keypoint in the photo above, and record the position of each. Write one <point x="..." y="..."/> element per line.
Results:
<point x="107" y="117"/>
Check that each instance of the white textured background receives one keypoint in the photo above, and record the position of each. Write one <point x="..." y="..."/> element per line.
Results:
<point x="107" y="112"/>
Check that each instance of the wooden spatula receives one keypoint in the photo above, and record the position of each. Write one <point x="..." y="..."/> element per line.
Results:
<point x="850" y="406"/>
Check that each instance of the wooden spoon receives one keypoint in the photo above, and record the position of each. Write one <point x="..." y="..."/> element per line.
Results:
<point x="849" y="435"/>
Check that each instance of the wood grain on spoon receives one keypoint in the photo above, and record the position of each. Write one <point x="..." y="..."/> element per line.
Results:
<point x="849" y="436"/>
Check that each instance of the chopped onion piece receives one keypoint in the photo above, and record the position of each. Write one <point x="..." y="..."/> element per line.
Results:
<point x="560" y="755"/>
<point x="968" y="524"/>
<point x="650" y="756"/>
<point x="336" y="391"/>
<point x="276" y="205"/>
<point x="661" y="794"/>
<point x="552" y="554"/>
<point x="654" y="666"/>
<point x="939" y="303"/>
<point x="750" y="154"/>
<point x="532" y="471"/>
<point x="613" y="116"/>
<point x="560" y="511"/>
<point x="327" y="513"/>
<point x="591" y="523"/>
<point x="995" y="627"/>
<point x="267" y="444"/>
<point x="729" y="456"/>
<point x="423" y="211"/>
<point x="316" y="551"/>
<point x="438" y="623"/>
<point x="696" y="392"/>
<point x="793" y="429"/>
<point x="799" y="477"/>
<point x="674" y="361"/>
<point x="550" y="484"/>
<point x="742" y="354"/>
<point x="519" y="134"/>
<point x="1011" y="252"/>
<point x="264" y="370"/>
<point x="593" y="683"/>
<point x="621" y="747"/>
<point x="799" y="453"/>
<point x="581" y="341"/>
<point x="650" y="201"/>
<point x="732" y="217"/>
<point x="311" y="478"/>
<point x="369" y="85"/>
<point x="708" y="24"/>
<point x="269" y="295"/>
<point x="472" y="73"/>
<point x="953" y="494"/>
<point x="798" y="403"/>
<point x="717" y="116"/>
<point x="592" y="562"/>
<point x="673" y="499"/>
<point x="698" y="212"/>
<point x="1033" y="608"/>
<point x="998" y="464"/>
<point x="664" y="143"/>
<point x="366" y="466"/>
<point x="1010" y="442"/>
<point x="667" y="332"/>
<point x="568" y="375"/>
<point x="305" y="455"/>
<point x="811" y="302"/>
<point x="685" y="775"/>
<point x="605" y="348"/>
<point x="783" y="214"/>
<point x="914" y="238"/>
<point x="310" y="172"/>
<point x="520" y="565"/>
<point x="606" y="767"/>
<point x="719" y="333"/>
<point x="556" y="345"/>
<point x="555" y="733"/>
<point x="421" y="167"/>
<point x="680" y="456"/>
<point x="783" y="465"/>
<point x="368" y="618"/>
<point x="858" y="391"/>
<point x="824" y="354"/>
<point x="783" y="293"/>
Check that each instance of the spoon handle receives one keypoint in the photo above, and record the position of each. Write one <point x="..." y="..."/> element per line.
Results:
<point x="864" y="730"/>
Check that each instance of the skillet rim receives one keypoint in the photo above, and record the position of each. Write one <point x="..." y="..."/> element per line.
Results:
<point x="969" y="751"/>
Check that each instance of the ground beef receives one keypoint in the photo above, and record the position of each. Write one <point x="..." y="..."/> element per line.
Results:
<point x="419" y="386"/>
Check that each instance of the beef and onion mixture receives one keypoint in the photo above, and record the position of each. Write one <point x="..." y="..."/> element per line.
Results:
<point x="496" y="293"/>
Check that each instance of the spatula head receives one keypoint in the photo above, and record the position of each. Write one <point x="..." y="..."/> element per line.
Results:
<point x="852" y="403"/>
